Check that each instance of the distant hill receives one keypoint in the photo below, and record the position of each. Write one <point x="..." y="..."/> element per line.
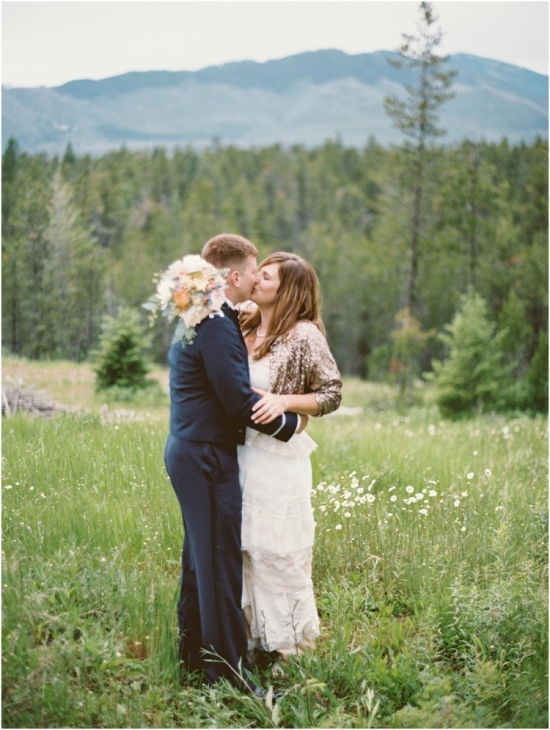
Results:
<point x="302" y="99"/>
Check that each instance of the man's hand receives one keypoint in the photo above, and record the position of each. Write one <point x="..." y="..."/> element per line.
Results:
<point x="304" y="420"/>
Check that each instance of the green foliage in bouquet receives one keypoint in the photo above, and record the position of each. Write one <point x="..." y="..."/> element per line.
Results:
<point x="121" y="359"/>
<point x="474" y="377"/>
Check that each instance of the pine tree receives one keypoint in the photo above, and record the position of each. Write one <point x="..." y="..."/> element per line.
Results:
<point x="73" y="278"/>
<point x="417" y="118"/>
<point x="474" y="376"/>
<point x="121" y="355"/>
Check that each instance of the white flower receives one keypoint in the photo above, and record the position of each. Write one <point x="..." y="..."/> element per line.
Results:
<point x="393" y="498"/>
<point x="423" y="511"/>
<point x="347" y="514"/>
<point x="463" y="528"/>
<point x="217" y="298"/>
<point x="360" y="490"/>
<point x="470" y="475"/>
<point x="323" y="508"/>
<point x="419" y="497"/>
<point x="475" y="453"/>
<point x="463" y="494"/>
<point x="432" y="493"/>
<point x="194" y="315"/>
<point x="391" y="489"/>
<point x="370" y="498"/>
<point x="8" y="486"/>
<point x="457" y="503"/>
<point x="338" y="527"/>
<point x="431" y="429"/>
<point x="409" y="489"/>
<point x="488" y="473"/>
<point x="164" y="292"/>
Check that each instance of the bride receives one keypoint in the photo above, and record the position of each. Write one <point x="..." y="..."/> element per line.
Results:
<point x="293" y="369"/>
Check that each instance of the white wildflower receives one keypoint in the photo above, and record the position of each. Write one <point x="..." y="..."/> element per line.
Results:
<point x="370" y="498"/>
<point x="423" y="511"/>
<point x="409" y="489"/>
<point x="393" y="498"/>
<point x="338" y="527"/>
<point x="470" y="475"/>
<point x="488" y="473"/>
<point x="457" y="503"/>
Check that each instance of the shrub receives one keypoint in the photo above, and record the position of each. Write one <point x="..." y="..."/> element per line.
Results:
<point x="474" y="376"/>
<point x="121" y="354"/>
<point x="537" y="376"/>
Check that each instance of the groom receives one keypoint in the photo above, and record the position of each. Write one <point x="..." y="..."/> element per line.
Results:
<point x="210" y="407"/>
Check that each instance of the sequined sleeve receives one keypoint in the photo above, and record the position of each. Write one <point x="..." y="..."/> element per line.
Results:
<point x="303" y="363"/>
<point x="324" y="377"/>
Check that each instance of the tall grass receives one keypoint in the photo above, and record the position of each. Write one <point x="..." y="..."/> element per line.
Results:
<point x="430" y="571"/>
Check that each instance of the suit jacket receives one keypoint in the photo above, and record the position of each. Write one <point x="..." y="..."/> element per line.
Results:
<point x="210" y="396"/>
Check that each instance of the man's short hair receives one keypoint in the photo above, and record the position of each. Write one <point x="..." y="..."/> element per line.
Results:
<point x="228" y="251"/>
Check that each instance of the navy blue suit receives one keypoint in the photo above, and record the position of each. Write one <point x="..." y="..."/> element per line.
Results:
<point x="210" y="407"/>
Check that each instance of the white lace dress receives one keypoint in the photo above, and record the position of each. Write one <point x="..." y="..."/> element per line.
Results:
<point x="277" y="537"/>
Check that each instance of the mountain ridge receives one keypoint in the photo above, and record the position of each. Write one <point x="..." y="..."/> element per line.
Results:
<point x="303" y="99"/>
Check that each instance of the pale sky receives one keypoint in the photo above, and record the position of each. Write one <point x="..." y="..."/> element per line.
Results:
<point x="49" y="43"/>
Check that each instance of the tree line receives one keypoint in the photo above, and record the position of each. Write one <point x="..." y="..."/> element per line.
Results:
<point x="83" y="236"/>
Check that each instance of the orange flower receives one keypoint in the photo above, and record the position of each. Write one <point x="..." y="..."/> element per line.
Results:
<point x="182" y="299"/>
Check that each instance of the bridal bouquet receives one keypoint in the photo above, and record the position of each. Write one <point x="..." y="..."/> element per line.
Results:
<point x="190" y="289"/>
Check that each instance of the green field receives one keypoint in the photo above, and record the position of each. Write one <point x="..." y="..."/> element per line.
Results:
<point x="430" y="570"/>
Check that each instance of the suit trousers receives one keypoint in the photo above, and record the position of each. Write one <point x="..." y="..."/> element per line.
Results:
<point x="205" y="478"/>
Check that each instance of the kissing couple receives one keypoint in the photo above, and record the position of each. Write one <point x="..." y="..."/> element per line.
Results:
<point x="241" y="394"/>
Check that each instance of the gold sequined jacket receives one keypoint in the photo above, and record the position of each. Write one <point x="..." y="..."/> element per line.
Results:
<point x="301" y="363"/>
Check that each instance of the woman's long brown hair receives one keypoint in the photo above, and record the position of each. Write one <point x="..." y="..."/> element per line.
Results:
<point x="297" y="300"/>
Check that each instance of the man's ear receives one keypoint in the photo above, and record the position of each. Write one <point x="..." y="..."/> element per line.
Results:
<point x="234" y="278"/>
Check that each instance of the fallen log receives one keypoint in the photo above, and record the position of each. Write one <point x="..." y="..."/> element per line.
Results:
<point x="20" y="396"/>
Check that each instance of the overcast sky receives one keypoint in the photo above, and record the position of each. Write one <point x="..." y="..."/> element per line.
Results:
<point x="49" y="43"/>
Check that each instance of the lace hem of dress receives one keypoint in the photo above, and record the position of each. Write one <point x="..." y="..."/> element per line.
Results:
<point x="300" y="444"/>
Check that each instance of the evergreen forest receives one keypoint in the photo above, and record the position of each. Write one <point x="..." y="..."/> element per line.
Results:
<point x="83" y="237"/>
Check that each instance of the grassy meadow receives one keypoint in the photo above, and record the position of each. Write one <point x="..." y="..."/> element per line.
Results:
<point x="430" y="569"/>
